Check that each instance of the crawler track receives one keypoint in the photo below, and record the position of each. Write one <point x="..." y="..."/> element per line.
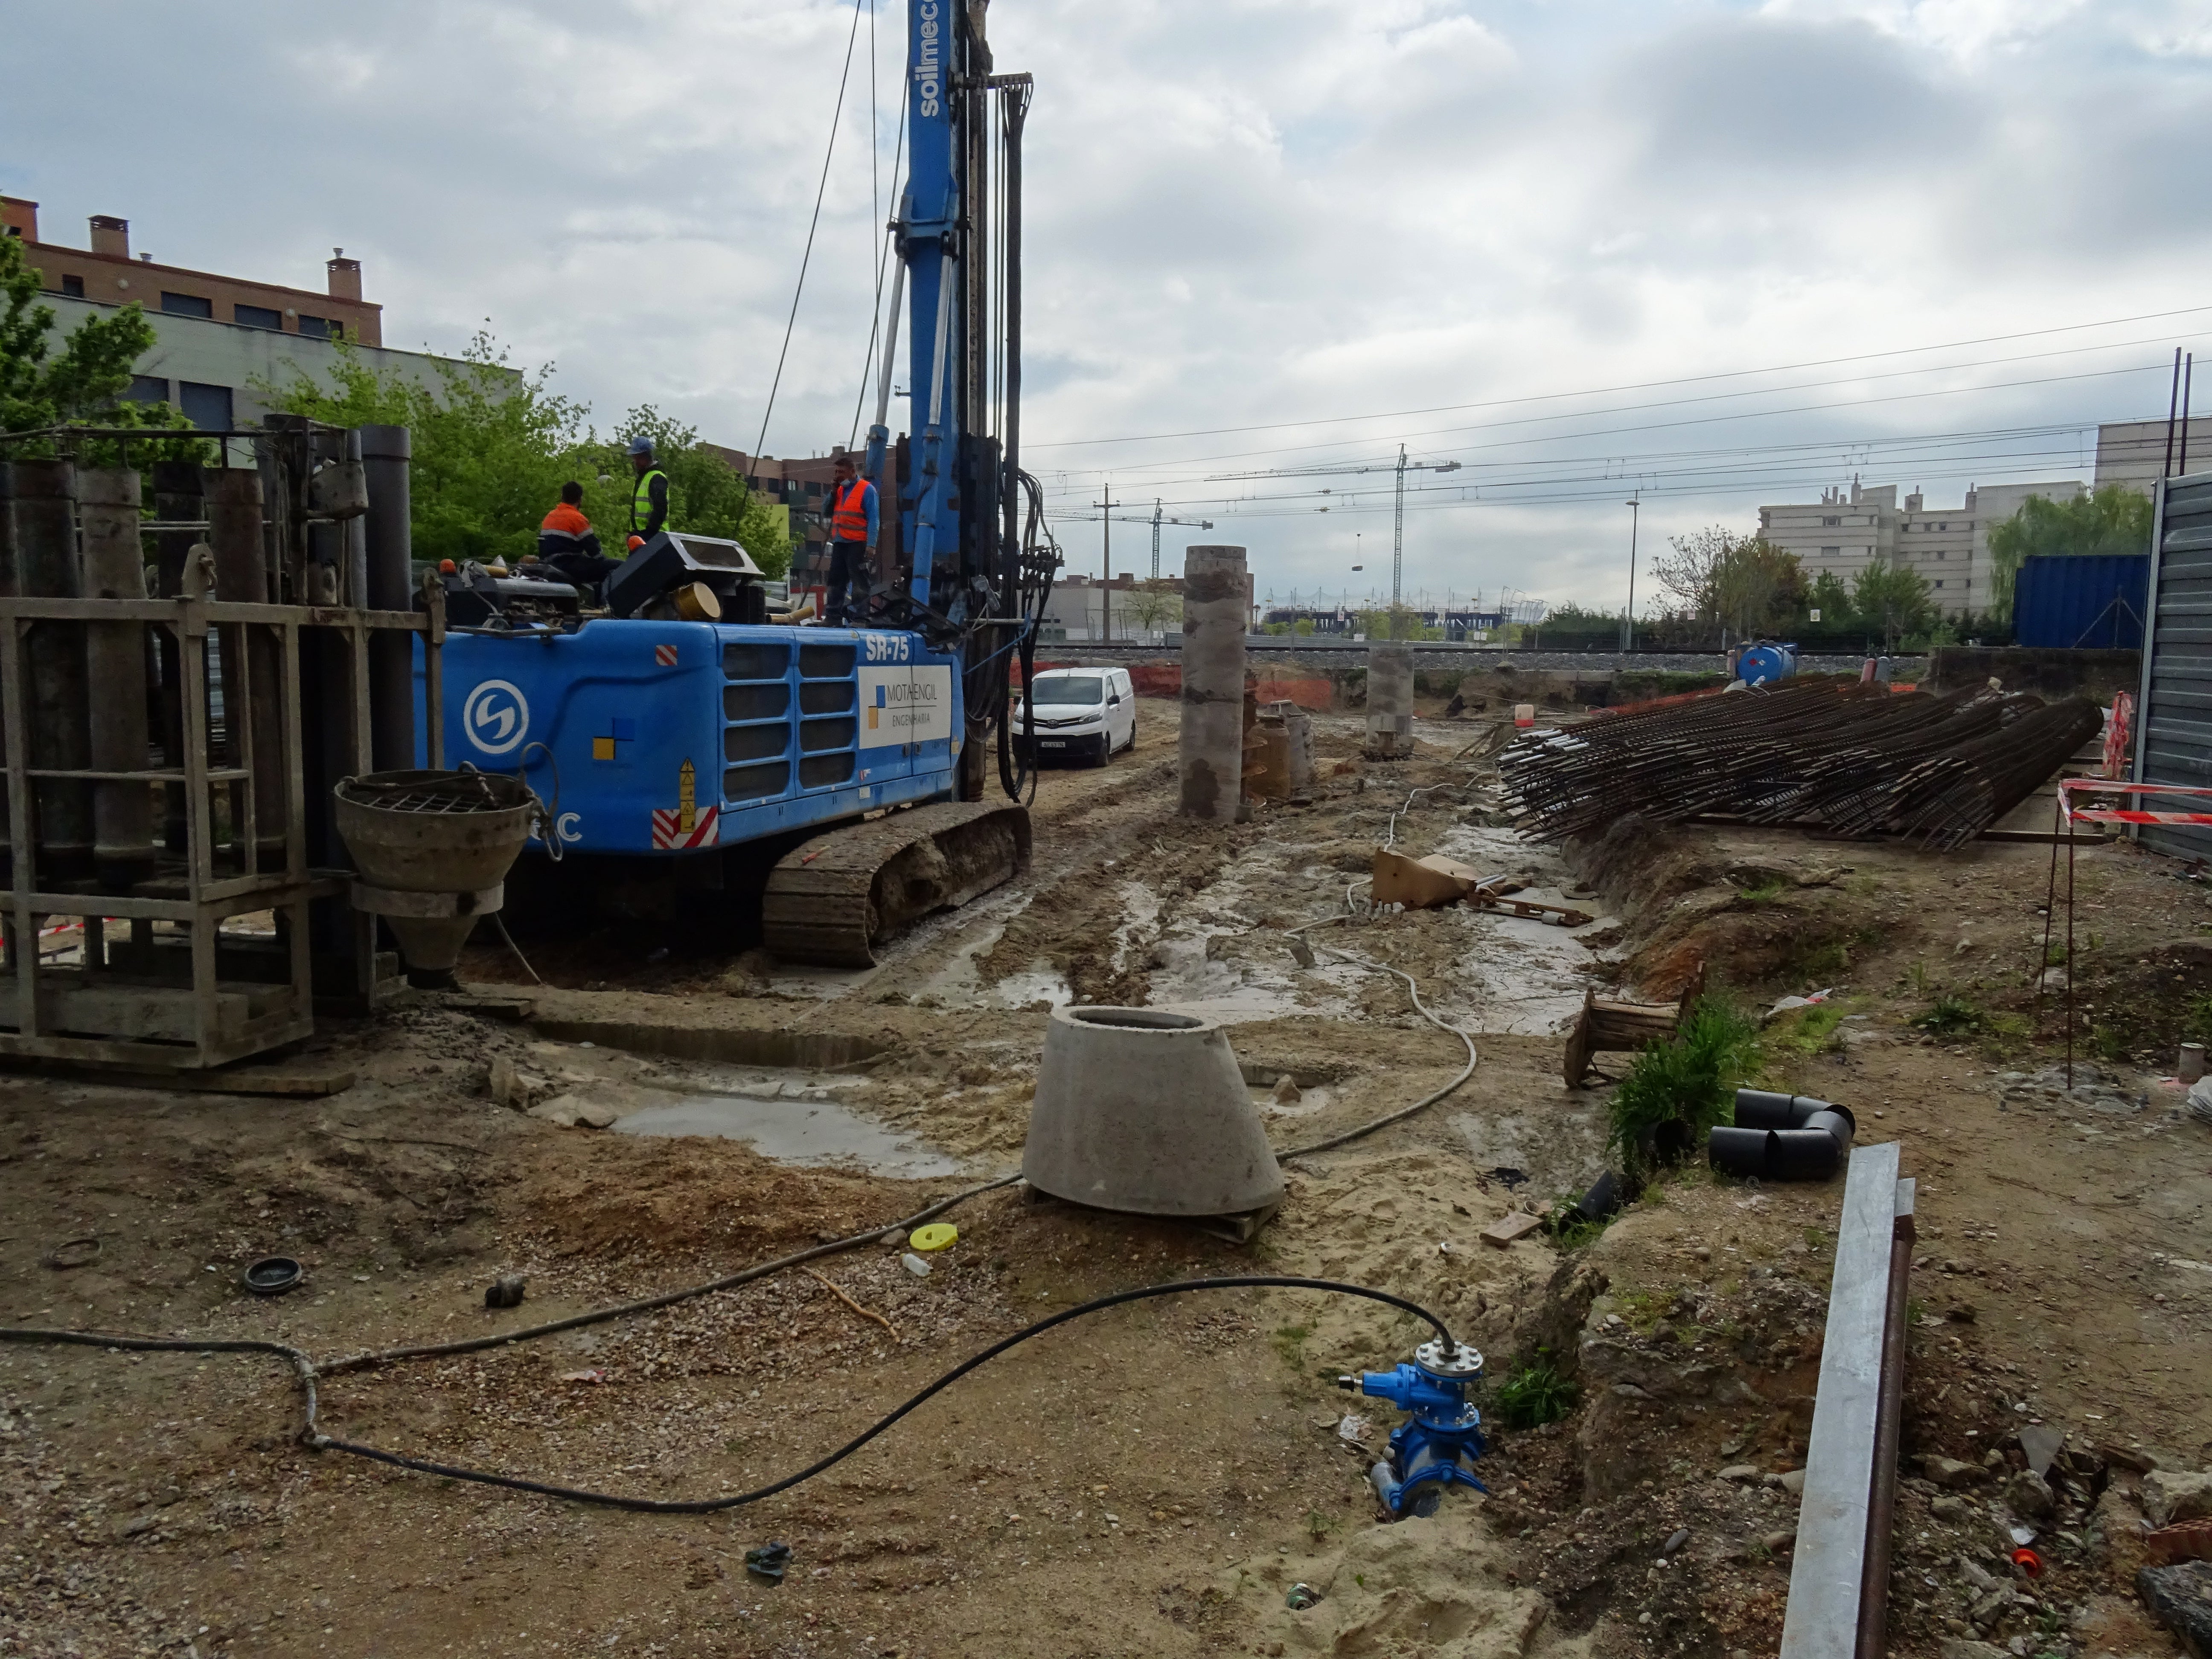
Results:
<point x="833" y="899"/>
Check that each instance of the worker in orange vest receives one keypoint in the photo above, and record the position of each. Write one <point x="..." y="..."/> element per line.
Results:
<point x="566" y="541"/>
<point x="853" y="518"/>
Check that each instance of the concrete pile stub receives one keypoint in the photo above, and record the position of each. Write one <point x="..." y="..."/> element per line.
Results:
<point x="1390" y="698"/>
<point x="1210" y="747"/>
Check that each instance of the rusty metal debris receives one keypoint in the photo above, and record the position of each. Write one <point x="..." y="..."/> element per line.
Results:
<point x="1434" y="882"/>
<point x="1851" y="759"/>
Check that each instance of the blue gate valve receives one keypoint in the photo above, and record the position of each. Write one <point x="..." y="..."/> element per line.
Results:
<point x="1437" y="1443"/>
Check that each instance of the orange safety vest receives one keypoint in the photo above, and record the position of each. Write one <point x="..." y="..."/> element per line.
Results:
<point x="848" y="511"/>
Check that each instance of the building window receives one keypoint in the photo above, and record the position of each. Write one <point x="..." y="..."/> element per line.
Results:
<point x="1940" y="554"/>
<point x="1939" y="582"/>
<point x="1836" y="520"/>
<point x="73" y="287"/>
<point x="1831" y="552"/>
<point x="207" y="407"/>
<point x="187" y="305"/>
<point x="315" y="328"/>
<point x="256" y="317"/>
<point x="148" y="389"/>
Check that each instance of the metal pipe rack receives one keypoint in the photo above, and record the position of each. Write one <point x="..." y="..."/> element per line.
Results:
<point x="233" y="700"/>
<point x="136" y="1018"/>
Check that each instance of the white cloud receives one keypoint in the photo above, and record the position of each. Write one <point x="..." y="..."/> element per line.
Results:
<point x="1246" y="212"/>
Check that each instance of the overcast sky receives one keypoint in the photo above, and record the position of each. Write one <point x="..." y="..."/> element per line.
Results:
<point x="1243" y="214"/>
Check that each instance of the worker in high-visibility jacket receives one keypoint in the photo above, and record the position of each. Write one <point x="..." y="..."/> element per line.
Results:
<point x="648" y="502"/>
<point x="852" y="519"/>
<point x="566" y="541"/>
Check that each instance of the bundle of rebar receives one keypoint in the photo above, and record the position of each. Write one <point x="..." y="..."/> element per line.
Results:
<point x="1847" y="758"/>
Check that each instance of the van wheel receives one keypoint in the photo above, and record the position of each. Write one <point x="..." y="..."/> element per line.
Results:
<point x="1105" y="749"/>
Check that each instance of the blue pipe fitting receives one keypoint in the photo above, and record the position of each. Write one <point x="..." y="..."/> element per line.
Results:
<point x="1438" y="1443"/>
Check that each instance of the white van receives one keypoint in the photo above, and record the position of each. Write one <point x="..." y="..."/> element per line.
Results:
<point x="1083" y="714"/>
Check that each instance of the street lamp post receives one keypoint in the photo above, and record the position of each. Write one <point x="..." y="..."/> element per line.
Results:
<point x="1635" y="505"/>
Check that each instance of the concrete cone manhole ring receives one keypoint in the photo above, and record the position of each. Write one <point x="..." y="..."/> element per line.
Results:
<point x="1136" y="1019"/>
<point x="1146" y="1111"/>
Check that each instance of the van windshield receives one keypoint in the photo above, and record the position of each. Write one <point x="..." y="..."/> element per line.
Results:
<point x="1074" y="688"/>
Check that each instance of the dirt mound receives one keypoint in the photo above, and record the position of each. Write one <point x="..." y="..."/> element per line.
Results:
<point x="614" y="1195"/>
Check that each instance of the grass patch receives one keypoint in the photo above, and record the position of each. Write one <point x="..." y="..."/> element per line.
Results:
<point x="1685" y="1085"/>
<point x="1570" y="1229"/>
<point x="2197" y="1021"/>
<point x="1766" y="892"/>
<point x="1533" y="1394"/>
<point x="1951" y="1014"/>
<point x="1804" y="1032"/>
<point x="1291" y="1343"/>
<point x="2106" y="1043"/>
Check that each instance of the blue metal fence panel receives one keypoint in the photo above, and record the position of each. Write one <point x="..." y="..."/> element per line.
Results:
<point x="2092" y="602"/>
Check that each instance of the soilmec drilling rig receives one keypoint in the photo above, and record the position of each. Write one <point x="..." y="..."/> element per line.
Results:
<point x="689" y="747"/>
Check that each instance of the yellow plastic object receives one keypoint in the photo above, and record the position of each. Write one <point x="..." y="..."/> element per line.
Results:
<point x="934" y="1237"/>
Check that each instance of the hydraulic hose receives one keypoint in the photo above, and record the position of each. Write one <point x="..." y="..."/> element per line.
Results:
<point x="709" y="1505"/>
<point x="311" y="1436"/>
<point x="1414" y="991"/>
<point x="306" y="1368"/>
<point x="666" y="1298"/>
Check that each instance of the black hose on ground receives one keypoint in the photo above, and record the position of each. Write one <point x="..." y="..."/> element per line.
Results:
<point x="709" y="1505"/>
<point x="313" y="1437"/>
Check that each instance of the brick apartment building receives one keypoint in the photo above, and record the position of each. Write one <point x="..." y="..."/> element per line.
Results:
<point x="215" y="335"/>
<point x="107" y="273"/>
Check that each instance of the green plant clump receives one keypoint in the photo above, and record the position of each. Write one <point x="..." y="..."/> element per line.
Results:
<point x="1690" y="1079"/>
<point x="1533" y="1394"/>
<point x="1951" y="1013"/>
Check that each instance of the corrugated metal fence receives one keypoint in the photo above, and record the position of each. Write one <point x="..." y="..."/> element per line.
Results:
<point x="2075" y="602"/>
<point x="2174" y="707"/>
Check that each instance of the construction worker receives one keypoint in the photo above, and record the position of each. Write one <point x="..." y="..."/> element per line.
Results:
<point x="648" y="503"/>
<point x="852" y="515"/>
<point x="567" y="541"/>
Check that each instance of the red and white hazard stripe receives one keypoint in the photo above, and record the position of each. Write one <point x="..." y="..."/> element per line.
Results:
<point x="2068" y="788"/>
<point x="669" y="835"/>
<point x="664" y="656"/>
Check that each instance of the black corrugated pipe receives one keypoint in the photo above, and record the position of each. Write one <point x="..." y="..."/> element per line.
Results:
<point x="1782" y="1137"/>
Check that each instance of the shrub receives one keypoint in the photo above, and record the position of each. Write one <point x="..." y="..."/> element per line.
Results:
<point x="1688" y="1081"/>
<point x="1533" y="1394"/>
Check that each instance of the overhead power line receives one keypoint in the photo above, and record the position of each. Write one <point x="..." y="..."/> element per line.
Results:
<point x="1636" y="385"/>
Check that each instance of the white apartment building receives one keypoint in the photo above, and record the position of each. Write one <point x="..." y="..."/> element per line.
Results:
<point x="2133" y="453"/>
<point x="1845" y="532"/>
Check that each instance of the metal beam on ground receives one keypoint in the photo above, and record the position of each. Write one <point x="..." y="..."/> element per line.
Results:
<point x="1828" y="1575"/>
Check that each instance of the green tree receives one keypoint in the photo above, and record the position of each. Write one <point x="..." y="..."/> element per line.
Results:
<point x="1831" y="596"/>
<point x="84" y="381"/>
<point x="1157" y="601"/>
<point x="706" y="493"/>
<point x="1894" y="599"/>
<point x="492" y="448"/>
<point x="2110" y="519"/>
<point x="1722" y="579"/>
<point x="1756" y="587"/>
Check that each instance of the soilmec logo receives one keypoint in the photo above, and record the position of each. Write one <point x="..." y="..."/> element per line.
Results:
<point x="496" y="717"/>
<point x="928" y="68"/>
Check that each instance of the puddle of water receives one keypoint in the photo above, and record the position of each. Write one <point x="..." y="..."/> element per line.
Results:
<point x="1140" y="908"/>
<point x="800" y="1131"/>
<point x="1519" y="976"/>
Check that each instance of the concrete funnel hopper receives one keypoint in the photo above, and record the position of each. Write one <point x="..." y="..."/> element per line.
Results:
<point x="432" y="850"/>
<point x="1144" y="1111"/>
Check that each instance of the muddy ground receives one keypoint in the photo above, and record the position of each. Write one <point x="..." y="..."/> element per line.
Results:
<point x="1154" y="1480"/>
